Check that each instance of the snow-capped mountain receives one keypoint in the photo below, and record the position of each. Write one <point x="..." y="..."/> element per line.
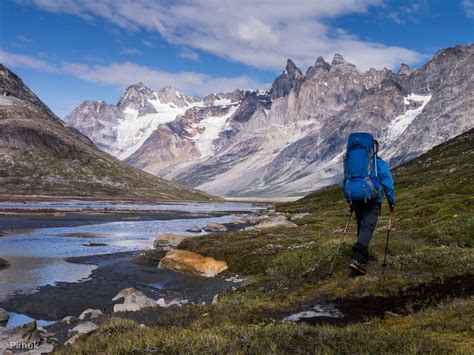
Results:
<point x="121" y="129"/>
<point x="288" y="140"/>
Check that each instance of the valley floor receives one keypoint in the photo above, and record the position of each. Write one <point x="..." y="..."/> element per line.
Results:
<point x="422" y="302"/>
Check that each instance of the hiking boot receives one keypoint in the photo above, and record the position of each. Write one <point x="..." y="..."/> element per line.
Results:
<point x="360" y="253"/>
<point x="357" y="267"/>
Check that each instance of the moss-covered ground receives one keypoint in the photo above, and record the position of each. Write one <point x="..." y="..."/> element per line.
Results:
<point x="427" y="286"/>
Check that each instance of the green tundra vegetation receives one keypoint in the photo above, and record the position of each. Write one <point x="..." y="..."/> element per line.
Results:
<point x="422" y="302"/>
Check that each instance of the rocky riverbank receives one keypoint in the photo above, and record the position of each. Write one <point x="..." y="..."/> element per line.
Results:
<point x="136" y="278"/>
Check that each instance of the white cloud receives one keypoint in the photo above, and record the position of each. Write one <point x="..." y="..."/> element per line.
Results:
<point x="189" y="54"/>
<point x="131" y="51"/>
<point x="127" y="73"/>
<point x="18" y="60"/>
<point x="468" y="6"/>
<point x="262" y="34"/>
<point x="148" y="43"/>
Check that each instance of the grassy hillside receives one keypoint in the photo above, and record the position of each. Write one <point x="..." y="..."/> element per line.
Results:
<point x="40" y="156"/>
<point x="427" y="288"/>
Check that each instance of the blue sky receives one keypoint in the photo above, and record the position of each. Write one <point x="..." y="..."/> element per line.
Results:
<point x="69" y="51"/>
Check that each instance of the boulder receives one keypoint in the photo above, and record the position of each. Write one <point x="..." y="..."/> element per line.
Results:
<point x="169" y="239"/>
<point x="84" y="328"/>
<point x="215" y="227"/>
<point x="272" y="222"/>
<point x="134" y="300"/>
<point x="90" y="314"/>
<point x="69" y="319"/>
<point x="4" y="263"/>
<point x="298" y="216"/>
<point x="194" y="229"/>
<point x="162" y="303"/>
<point x="192" y="263"/>
<point x="3" y="316"/>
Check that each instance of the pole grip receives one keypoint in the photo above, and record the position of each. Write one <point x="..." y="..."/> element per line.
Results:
<point x="390" y="216"/>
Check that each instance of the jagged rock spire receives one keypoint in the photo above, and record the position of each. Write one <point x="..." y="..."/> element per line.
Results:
<point x="320" y="66"/>
<point x="291" y="78"/>
<point x="404" y="70"/>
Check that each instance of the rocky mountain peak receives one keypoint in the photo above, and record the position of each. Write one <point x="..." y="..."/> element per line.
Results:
<point x="12" y="85"/>
<point x="339" y="63"/>
<point x="291" y="78"/>
<point x="404" y="69"/>
<point x="169" y="95"/>
<point x="292" y="70"/>
<point x="319" y="67"/>
<point x="136" y="97"/>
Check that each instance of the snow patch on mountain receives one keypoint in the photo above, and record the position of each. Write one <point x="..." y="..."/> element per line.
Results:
<point x="400" y="123"/>
<point x="133" y="130"/>
<point x="210" y="128"/>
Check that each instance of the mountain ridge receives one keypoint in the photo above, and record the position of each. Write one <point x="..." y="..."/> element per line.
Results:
<point x="40" y="156"/>
<point x="288" y="140"/>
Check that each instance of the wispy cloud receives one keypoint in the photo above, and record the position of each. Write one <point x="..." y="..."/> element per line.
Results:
<point x="126" y="73"/>
<point x="189" y="54"/>
<point x="261" y="34"/>
<point x="407" y="12"/>
<point x="24" y="39"/>
<point x="147" y="43"/>
<point x="18" y="60"/>
<point x="468" y="6"/>
<point x="131" y="51"/>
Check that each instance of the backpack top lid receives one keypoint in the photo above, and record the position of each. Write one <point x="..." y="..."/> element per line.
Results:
<point x="360" y="139"/>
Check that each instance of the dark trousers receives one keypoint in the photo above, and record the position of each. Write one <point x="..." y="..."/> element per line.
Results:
<point x="367" y="214"/>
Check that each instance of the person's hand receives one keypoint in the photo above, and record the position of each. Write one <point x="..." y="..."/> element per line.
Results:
<point x="392" y="208"/>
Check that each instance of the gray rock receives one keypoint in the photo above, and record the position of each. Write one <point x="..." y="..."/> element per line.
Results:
<point x="69" y="319"/>
<point x="298" y="216"/>
<point x="134" y="300"/>
<point x="215" y="227"/>
<point x="273" y="222"/>
<point x="169" y="239"/>
<point x="3" y="316"/>
<point x="90" y="314"/>
<point x="86" y="327"/>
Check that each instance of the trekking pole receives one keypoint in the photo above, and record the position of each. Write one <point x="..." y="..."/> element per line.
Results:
<point x="340" y="243"/>
<point x="384" y="265"/>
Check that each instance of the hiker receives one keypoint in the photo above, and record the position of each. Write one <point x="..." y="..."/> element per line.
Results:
<point x="366" y="178"/>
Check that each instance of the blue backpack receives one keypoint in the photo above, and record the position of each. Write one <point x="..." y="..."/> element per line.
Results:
<point x="361" y="182"/>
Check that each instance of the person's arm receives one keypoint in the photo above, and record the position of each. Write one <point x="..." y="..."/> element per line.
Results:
<point x="387" y="183"/>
